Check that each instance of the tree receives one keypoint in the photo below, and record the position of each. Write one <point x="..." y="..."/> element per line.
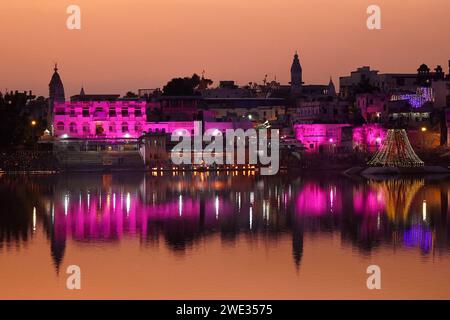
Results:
<point x="21" y="120"/>
<point x="131" y="94"/>
<point x="187" y="86"/>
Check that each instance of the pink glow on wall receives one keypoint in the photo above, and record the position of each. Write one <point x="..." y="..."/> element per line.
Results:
<point x="320" y="136"/>
<point x="99" y="119"/>
<point x="181" y="127"/>
<point x="369" y="137"/>
<point x="120" y="119"/>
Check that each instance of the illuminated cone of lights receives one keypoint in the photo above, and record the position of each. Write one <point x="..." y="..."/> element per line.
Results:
<point x="396" y="152"/>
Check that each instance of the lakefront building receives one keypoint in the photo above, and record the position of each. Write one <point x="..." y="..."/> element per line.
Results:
<point x="99" y="119"/>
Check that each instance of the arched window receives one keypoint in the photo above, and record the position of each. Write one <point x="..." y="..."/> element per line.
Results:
<point x="138" y="127"/>
<point x="85" y="128"/>
<point x="73" y="127"/>
<point x="124" y="127"/>
<point x="60" y="126"/>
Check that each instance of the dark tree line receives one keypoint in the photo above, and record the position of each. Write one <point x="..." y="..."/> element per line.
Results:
<point x="22" y="120"/>
<point x="187" y="86"/>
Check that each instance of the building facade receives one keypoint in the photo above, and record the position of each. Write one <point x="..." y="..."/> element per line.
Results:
<point x="99" y="119"/>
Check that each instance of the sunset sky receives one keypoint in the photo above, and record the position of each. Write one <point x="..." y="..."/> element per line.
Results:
<point x="130" y="44"/>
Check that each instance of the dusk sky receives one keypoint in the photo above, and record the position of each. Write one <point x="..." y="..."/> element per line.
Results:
<point x="130" y="44"/>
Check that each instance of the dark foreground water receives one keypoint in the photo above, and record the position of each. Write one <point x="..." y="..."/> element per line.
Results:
<point x="223" y="236"/>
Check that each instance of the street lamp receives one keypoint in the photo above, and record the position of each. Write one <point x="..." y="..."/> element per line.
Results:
<point x="33" y="122"/>
<point x="424" y="129"/>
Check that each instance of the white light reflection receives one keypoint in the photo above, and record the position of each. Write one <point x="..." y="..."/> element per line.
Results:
<point x="378" y="221"/>
<point x="424" y="210"/>
<point x="217" y="207"/>
<point x="66" y="204"/>
<point x="34" y="218"/>
<point x="128" y="203"/>
<point x="239" y="201"/>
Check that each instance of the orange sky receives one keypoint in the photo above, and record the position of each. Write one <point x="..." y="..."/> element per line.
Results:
<point x="129" y="44"/>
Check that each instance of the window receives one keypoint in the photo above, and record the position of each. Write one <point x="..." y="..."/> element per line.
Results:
<point x="125" y="112"/>
<point x="112" y="112"/>
<point x="72" y="112"/>
<point x="85" y="112"/>
<point x="112" y="127"/>
<point x="60" y="126"/>
<point x="137" y="112"/>
<point x="60" y="111"/>
<point x="124" y="127"/>
<point x="138" y="127"/>
<point x="85" y="128"/>
<point x="73" y="127"/>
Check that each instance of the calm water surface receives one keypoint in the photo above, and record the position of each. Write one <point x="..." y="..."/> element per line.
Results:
<point x="223" y="236"/>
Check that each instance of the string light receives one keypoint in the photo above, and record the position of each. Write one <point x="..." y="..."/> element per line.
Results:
<point x="396" y="152"/>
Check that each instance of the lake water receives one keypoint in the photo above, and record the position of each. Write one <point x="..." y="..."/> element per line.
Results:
<point x="227" y="236"/>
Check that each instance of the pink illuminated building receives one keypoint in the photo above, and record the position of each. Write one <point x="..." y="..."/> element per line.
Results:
<point x="339" y="137"/>
<point x="373" y="106"/>
<point x="99" y="119"/>
<point x="324" y="137"/>
<point x="368" y="137"/>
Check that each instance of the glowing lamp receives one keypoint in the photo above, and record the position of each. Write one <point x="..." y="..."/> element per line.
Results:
<point x="424" y="129"/>
<point x="64" y="136"/>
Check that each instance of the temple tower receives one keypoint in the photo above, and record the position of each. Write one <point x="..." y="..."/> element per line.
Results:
<point x="296" y="75"/>
<point x="331" y="88"/>
<point x="55" y="94"/>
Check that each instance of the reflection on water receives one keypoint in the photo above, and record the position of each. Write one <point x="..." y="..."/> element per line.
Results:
<point x="182" y="209"/>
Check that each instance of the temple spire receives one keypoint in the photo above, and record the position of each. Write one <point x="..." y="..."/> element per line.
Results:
<point x="296" y="75"/>
<point x="331" y="88"/>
